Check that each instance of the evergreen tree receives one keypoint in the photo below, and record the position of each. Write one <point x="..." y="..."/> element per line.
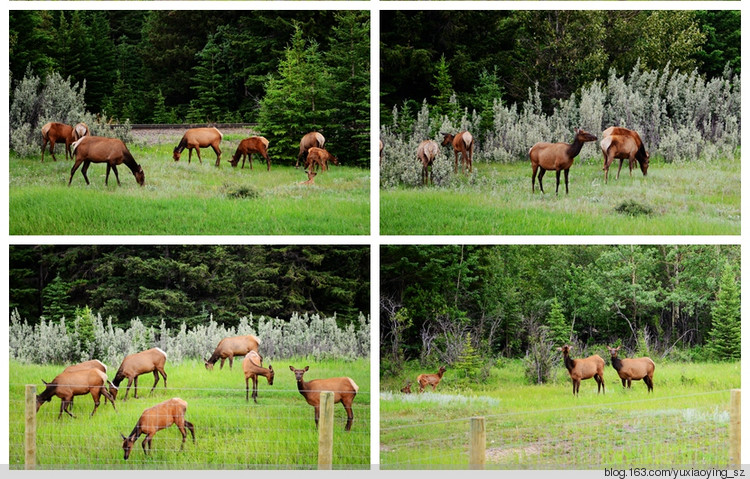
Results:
<point x="57" y="300"/>
<point x="724" y="338"/>
<point x="469" y="361"/>
<point x="442" y="83"/>
<point x="211" y="102"/>
<point x="557" y="326"/>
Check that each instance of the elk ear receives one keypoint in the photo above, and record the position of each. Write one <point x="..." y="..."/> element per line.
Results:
<point x="45" y="382"/>
<point x="306" y="368"/>
<point x="270" y="368"/>
<point x="123" y="436"/>
<point x="291" y="368"/>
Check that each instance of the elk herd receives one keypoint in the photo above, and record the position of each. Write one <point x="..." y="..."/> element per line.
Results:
<point x="90" y="377"/>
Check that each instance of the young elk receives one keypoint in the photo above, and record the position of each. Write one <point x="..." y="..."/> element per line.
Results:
<point x="462" y="143"/>
<point x="556" y="156"/>
<point x="406" y="389"/>
<point x="427" y="151"/>
<point x="156" y="418"/>
<point x="76" y="383"/>
<point x="151" y="360"/>
<point x="579" y="369"/>
<point x="633" y="369"/>
<point x="52" y="133"/>
<point x="344" y="390"/>
<point x="319" y="158"/>
<point x="310" y="178"/>
<point x="252" y="365"/>
<point x="230" y="347"/>
<point x="431" y="379"/>
<point x="246" y="148"/>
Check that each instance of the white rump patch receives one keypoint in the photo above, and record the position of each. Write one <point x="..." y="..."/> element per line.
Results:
<point x="321" y="139"/>
<point x="221" y="135"/>
<point x="605" y="143"/>
<point x="256" y="338"/>
<point x="75" y="144"/>
<point x="104" y="365"/>
<point x="159" y="349"/>
<point x="468" y="139"/>
<point x="354" y="385"/>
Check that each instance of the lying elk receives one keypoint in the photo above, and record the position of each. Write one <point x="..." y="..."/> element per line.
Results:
<point x="462" y="143"/>
<point x="80" y="130"/>
<point x="406" y="389"/>
<point x="112" y="151"/>
<point x="623" y="144"/>
<point x="230" y="347"/>
<point x="310" y="140"/>
<point x="252" y="365"/>
<point x="579" y="369"/>
<point x="310" y="178"/>
<point x="556" y="156"/>
<point x="156" y="418"/>
<point x="344" y="390"/>
<point x="54" y="132"/>
<point x="76" y="383"/>
<point x="246" y="148"/>
<point x="151" y="360"/>
<point x="427" y="151"/>
<point x="197" y="138"/>
<point x="431" y="379"/>
<point x="319" y="158"/>
<point x="633" y="369"/>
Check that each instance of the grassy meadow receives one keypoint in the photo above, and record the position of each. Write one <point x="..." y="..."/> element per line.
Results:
<point x="684" y="422"/>
<point x="186" y="199"/>
<point x="278" y="432"/>
<point x="686" y="198"/>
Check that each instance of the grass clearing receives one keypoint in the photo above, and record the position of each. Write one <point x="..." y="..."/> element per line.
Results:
<point x="695" y="198"/>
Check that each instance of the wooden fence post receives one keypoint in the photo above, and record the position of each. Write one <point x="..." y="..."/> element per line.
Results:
<point x="477" y="444"/>
<point x="735" y="433"/>
<point x="325" y="431"/>
<point x="30" y="433"/>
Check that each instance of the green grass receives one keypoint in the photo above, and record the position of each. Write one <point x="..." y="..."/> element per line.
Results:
<point x="186" y="199"/>
<point x="694" y="198"/>
<point x="683" y="422"/>
<point x="278" y="432"/>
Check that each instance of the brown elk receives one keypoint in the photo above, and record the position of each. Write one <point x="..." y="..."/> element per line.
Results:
<point x="310" y="178"/>
<point x="230" y="347"/>
<point x="310" y="140"/>
<point x="151" y="360"/>
<point x="462" y="143"/>
<point x="252" y="365"/>
<point x="80" y="130"/>
<point x="319" y="158"/>
<point x="112" y="151"/>
<point x="197" y="138"/>
<point x="156" y="418"/>
<point x="621" y="143"/>
<point x="579" y="369"/>
<point x="556" y="156"/>
<point x="344" y="390"/>
<point x="427" y="151"/>
<point x="633" y="369"/>
<point x="76" y="383"/>
<point x="431" y="379"/>
<point x="54" y="132"/>
<point x="381" y="152"/>
<point x="406" y="389"/>
<point x="92" y="364"/>
<point x="246" y="148"/>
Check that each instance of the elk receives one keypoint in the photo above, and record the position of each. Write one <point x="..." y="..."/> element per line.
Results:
<point x="427" y="151"/>
<point x="53" y="132"/>
<point x="312" y="139"/>
<point x="344" y="390"/>
<point x="381" y="152"/>
<point x="406" y="389"/>
<point x="230" y="347"/>
<point x="76" y="383"/>
<point x="112" y="151"/>
<point x="579" y="369"/>
<point x="197" y="138"/>
<point x="633" y="369"/>
<point x="462" y="143"/>
<point x="246" y="148"/>
<point x="431" y="379"/>
<point x="310" y="178"/>
<point x="92" y="364"/>
<point x="556" y="156"/>
<point x="156" y="418"/>
<point x="151" y="360"/>
<point x="621" y="143"/>
<point x="253" y="367"/>
<point x="319" y="158"/>
<point x="80" y="130"/>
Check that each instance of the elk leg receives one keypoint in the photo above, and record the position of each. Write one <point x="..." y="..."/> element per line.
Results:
<point x="542" y="171"/>
<point x="67" y="408"/>
<point x="221" y="366"/>
<point x="255" y="389"/>
<point x="455" y="161"/>
<point x="250" y="160"/>
<point x="247" y="389"/>
<point x="349" y="416"/>
<point x="95" y="396"/>
<point x="143" y="444"/>
<point x="557" y="185"/>
<point x="533" y="177"/>
<point x="218" y="155"/>
<point x="268" y="161"/>
<point x="68" y="153"/>
<point x="317" y="415"/>
<point x="156" y="381"/>
<point x="44" y="147"/>
<point x="566" y="180"/>
<point x="181" y="427"/>
<point x="231" y="360"/>
<point x="620" y="168"/>
<point x="84" y="169"/>
<point x="52" y="149"/>
<point x="73" y="170"/>
<point x="243" y="161"/>
<point x="117" y="176"/>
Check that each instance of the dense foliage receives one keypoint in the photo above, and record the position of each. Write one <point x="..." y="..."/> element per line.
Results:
<point x="659" y="299"/>
<point x="189" y="284"/>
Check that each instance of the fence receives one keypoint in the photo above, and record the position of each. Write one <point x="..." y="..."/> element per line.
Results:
<point x="653" y="432"/>
<point x="231" y="433"/>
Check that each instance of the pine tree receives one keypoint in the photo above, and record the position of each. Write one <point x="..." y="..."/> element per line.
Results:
<point x="211" y="90"/>
<point x="469" y="360"/>
<point x="444" y="86"/>
<point x="557" y="327"/>
<point x="57" y="300"/>
<point x="724" y="336"/>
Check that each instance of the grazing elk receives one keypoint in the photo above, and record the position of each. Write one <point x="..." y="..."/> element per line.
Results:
<point x="230" y="347"/>
<point x="344" y="390"/>
<point x="556" y="156"/>
<point x="246" y="148"/>
<point x="92" y="364"/>
<point x="462" y="143"/>
<point x="579" y="369"/>
<point x="310" y="140"/>
<point x="431" y="379"/>
<point x="252" y="365"/>
<point x="621" y="143"/>
<point x="52" y="133"/>
<point x="633" y="369"/>
<point x="406" y="389"/>
<point x="427" y="151"/>
<point x="156" y="418"/>
<point x="151" y="360"/>
<point x="319" y="158"/>
<point x="76" y="383"/>
<point x="80" y="130"/>
<point x="112" y="151"/>
<point x="310" y="178"/>
<point x="197" y="138"/>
